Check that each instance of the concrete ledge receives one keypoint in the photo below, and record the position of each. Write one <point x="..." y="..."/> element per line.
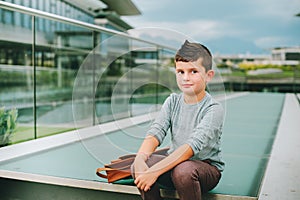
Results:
<point x="282" y="177"/>
<point x="101" y="186"/>
<point x="69" y="182"/>
<point x="172" y="194"/>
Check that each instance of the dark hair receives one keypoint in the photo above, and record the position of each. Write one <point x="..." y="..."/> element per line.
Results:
<point x="191" y="52"/>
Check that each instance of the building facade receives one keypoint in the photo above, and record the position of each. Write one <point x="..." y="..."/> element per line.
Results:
<point x="286" y="55"/>
<point x="16" y="50"/>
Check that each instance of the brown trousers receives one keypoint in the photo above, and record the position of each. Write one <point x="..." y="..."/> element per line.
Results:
<point x="190" y="178"/>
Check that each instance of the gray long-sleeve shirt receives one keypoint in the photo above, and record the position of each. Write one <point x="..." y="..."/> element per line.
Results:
<point x="198" y="125"/>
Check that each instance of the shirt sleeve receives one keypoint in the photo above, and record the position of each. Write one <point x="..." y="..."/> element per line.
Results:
<point x="161" y="124"/>
<point x="206" y="135"/>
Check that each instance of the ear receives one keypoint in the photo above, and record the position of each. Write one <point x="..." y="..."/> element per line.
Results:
<point x="209" y="75"/>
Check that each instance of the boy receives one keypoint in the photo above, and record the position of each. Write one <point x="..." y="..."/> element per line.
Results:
<point x="193" y="164"/>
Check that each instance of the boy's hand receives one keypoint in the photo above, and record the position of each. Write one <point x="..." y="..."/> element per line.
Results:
<point x="145" y="180"/>
<point x="140" y="166"/>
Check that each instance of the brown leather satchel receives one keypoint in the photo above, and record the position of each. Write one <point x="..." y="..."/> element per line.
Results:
<point x="120" y="168"/>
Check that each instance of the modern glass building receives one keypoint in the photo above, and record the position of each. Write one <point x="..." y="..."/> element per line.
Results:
<point x="53" y="32"/>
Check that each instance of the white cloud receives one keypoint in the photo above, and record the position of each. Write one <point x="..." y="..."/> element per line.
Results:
<point x="277" y="9"/>
<point x="203" y="29"/>
<point x="210" y="30"/>
<point x="270" y="42"/>
<point x="157" y="32"/>
<point x="266" y="23"/>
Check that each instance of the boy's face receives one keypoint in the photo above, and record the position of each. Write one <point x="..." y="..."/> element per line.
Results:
<point x="192" y="78"/>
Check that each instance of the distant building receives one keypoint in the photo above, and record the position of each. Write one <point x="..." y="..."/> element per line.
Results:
<point x="145" y="55"/>
<point x="286" y="55"/>
<point x="279" y="56"/>
<point x="239" y="58"/>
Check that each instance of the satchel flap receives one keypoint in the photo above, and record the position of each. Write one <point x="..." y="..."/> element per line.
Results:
<point x="121" y="164"/>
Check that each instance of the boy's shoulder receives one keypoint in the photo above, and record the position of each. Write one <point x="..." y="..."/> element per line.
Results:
<point x="178" y="97"/>
<point x="175" y="97"/>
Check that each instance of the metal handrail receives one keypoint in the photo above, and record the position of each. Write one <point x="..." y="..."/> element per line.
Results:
<point x="93" y="27"/>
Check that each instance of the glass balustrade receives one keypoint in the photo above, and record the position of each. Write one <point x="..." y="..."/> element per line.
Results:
<point x="62" y="74"/>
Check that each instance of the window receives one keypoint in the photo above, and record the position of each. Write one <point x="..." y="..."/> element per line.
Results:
<point x="26" y="19"/>
<point x="34" y="4"/>
<point x="52" y="6"/>
<point x="8" y="17"/>
<point x="27" y="3"/>
<point x="2" y="56"/>
<point x="47" y="5"/>
<point x="17" y="19"/>
<point x="292" y="56"/>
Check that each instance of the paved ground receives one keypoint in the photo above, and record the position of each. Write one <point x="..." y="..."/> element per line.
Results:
<point x="282" y="178"/>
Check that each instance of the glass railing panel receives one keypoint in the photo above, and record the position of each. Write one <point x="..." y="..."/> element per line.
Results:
<point x="16" y="79"/>
<point x="166" y="75"/>
<point x="144" y="73"/>
<point x="61" y="74"/>
<point x="59" y="55"/>
<point x="113" y="80"/>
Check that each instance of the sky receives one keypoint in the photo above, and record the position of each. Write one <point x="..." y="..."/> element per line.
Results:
<point x="224" y="26"/>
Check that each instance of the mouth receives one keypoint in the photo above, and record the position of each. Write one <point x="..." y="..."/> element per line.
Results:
<point x="187" y="85"/>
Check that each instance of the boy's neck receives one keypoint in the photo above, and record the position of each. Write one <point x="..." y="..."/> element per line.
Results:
<point x="195" y="98"/>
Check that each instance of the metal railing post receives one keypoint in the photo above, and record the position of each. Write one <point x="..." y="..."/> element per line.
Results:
<point x="34" y="75"/>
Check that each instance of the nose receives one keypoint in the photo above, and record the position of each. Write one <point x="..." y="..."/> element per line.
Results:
<point x="186" y="76"/>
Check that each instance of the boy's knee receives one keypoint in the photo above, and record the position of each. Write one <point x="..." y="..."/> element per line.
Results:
<point x="183" y="173"/>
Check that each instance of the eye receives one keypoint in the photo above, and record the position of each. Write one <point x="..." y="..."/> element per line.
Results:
<point x="194" y="71"/>
<point x="180" y="72"/>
